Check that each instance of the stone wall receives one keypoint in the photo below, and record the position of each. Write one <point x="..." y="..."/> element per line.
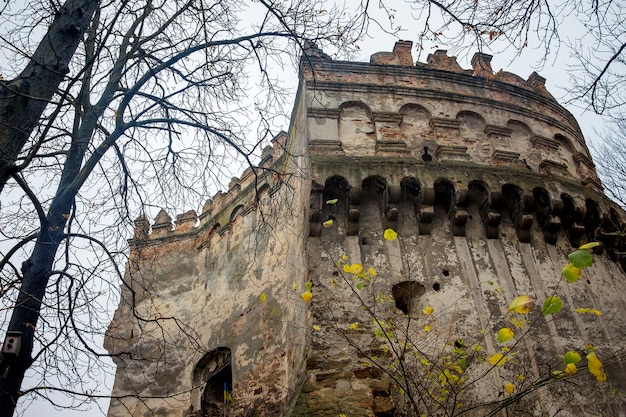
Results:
<point x="487" y="181"/>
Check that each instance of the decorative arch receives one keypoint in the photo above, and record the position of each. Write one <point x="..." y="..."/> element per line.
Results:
<point x="374" y="197"/>
<point x="335" y="204"/>
<point x="409" y="206"/>
<point x="357" y="132"/>
<point x="592" y="218"/>
<point x="472" y="134"/>
<point x="520" y="137"/>
<point x="571" y="220"/>
<point x="543" y="211"/>
<point x="262" y="191"/>
<point x="235" y="213"/>
<point x="444" y="194"/>
<point x="415" y="119"/>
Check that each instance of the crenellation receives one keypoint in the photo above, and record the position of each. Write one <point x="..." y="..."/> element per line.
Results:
<point x="481" y="65"/>
<point x="441" y="61"/>
<point x="487" y="181"/>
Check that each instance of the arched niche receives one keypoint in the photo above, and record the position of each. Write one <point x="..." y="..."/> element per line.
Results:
<point x="415" y="124"/>
<point x="478" y="198"/>
<point x="572" y="220"/>
<point x="517" y="205"/>
<point x="262" y="192"/>
<point x="512" y="201"/>
<point x="409" y="206"/>
<point x="520" y="139"/>
<point x="335" y="204"/>
<point x="213" y="383"/>
<point x="374" y="196"/>
<point x="543" y="211"/>
<point x="592" y="218"/>
<point x="357" y="132"/>
<point x="235" y="213"/>
<point x="472" y="134"/>
<point x="444" y="194"/>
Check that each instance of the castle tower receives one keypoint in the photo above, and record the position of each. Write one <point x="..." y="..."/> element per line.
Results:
<point x="489" y="185"/>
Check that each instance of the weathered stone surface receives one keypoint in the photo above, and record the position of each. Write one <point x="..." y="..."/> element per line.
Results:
<point x="487" y="181"/>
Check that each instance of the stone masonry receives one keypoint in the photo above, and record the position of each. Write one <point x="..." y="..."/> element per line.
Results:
<point x="489" y="184"/>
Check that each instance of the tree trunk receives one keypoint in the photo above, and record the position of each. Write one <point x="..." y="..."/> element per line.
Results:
<point x="23" y="100"/>
<point x="36" y="273"/>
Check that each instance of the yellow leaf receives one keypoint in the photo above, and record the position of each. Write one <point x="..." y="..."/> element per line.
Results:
<point x="427" y="328"/>
<point x="354" y="326"/>
<point x="428" y="310"/>
<point x="520" y="377"/>
<point x="589" y="310"/>
<point x="518" y="323"/>
<point x="332" y="281"/>
<point x="307" y="296"/>
<point x="263" y="297"/>
<point x="316" y="328"/>
<point x="390" y="234"/>
<point x="450" y="376"/>
<point x="497" y="359"/>
<point x="522" y="304"/>
<point x="509" y="387"/>
<point x="327" y="223"/>
<point x="589" y="245"/>
<point x="505" y="334"/>
<point x="344" y="257"/>
<point x="371" y="271"/>
<point x="425" y="362"/>
<point x="333" y="201"/>
<point x="571" y="273"/>
<point x="595" y="367"/>
<point x="355" y="269"/>
<point x="570" y="369"/>
<point x="295" y="287"/>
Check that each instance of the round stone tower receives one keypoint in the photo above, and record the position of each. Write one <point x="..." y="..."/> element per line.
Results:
<point x="414" y="202"/>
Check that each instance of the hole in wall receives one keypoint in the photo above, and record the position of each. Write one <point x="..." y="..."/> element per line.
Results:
<point x="215" y="372"/>
<point x="588" y="282"/>
<point x="445" y="272"/>
<point x="364" y="241"/>
<point x="406" y="293"/>
<point x="335" y="273"/>
<point x="436" y="286"/>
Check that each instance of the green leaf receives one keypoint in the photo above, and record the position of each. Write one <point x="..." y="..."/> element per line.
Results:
<point x="581" y="258"/>
<point x="333" y="201"/>
<point x="552" y="305"/>
<point x="571" y="357"/>
<point x="263" y="297"/>
<point x="505" y="334"/>
<point x="308" y="286"/>
<point x="589" y="245"/>
<point x="571" y="273"/>
<point x="360" y="285"/>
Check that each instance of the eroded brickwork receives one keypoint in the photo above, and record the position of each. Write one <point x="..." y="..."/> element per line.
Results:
<point x="487" y="181"/>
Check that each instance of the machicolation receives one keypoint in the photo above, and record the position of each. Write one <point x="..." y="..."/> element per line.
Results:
<point x="487" y="181"/>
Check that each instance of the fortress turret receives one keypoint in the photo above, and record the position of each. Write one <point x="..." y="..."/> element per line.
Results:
<point x="488" y="184"/>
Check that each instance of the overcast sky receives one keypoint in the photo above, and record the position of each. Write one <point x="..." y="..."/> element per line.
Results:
<point x="554" y="70"/>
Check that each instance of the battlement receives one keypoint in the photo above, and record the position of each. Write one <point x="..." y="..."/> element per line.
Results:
<point x="488" y="184"/>
<point x="219" y="212"/>
<point x="438" y="112"/>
